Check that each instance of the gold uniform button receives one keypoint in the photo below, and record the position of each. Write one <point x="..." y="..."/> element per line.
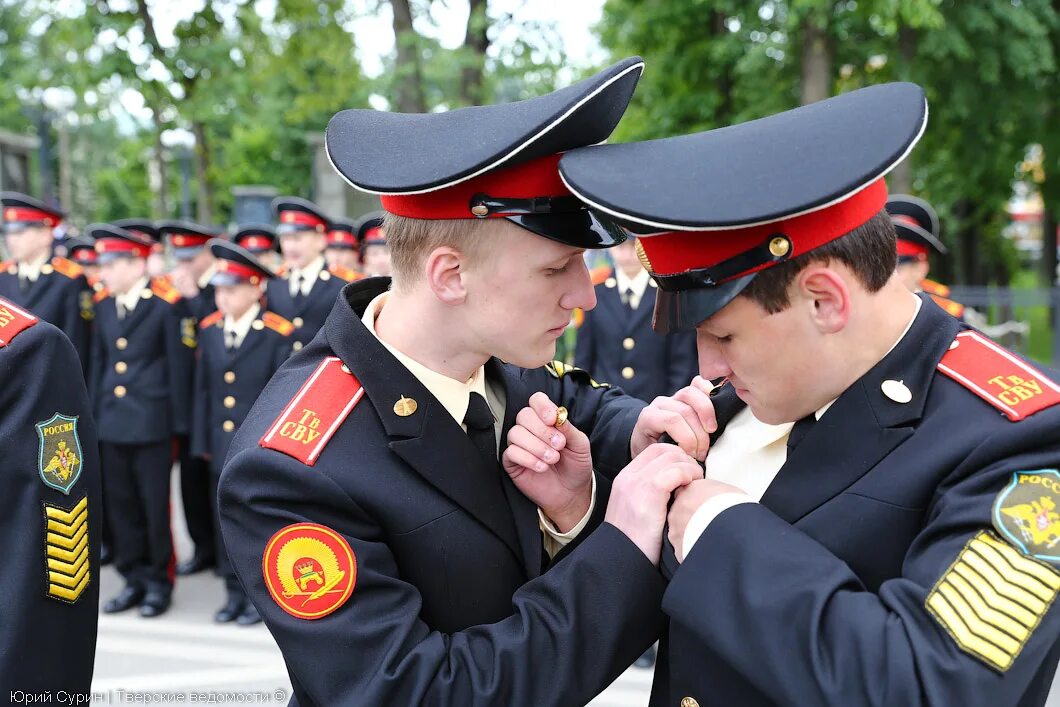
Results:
<point x="297" y="346"/>
<point x="46" y="269"/>
<point x="689" y="702"/>
<point x="121" y="343"/>
<point x="119" y="391"/>
<point x="627" y="372"/>
<point x="325" y="275"/>
<point x="121" y="367"/>
<point x="628" y="343"/>
<point x="230" y="377"/>
<point x="228" y="426"/>
<point x="297" y="321"/>
<point x="147" y="294"/>
<point x="229" y="401"/>
<point x="257" y="325"/>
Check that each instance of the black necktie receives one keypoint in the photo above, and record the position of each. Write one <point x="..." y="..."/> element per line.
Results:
<point x="627" y="298"/>
<point x="800" y="430"/>
<point x="23" y="283"/>
<point x="299" y="280"/>
<point x="480" y="429"/>
<point x="122" y="311"/>
<point x="231" y="344"/>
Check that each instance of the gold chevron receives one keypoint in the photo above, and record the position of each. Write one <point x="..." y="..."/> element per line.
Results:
<point x="69" y="568"/>
<point x="68" y="529"/>
<point x="66" y="516"/>
<point x="67" y="581"/>
<point x="72" y="594"/>
<point x="66" y="550"/>
<point x="56" y="540"/>
<point x="68" y="555"/>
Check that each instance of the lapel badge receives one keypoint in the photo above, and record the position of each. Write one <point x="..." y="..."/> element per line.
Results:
<point x="59" y="457"/>
<point x="896" y="391"/>
<point x="405" y="406"/>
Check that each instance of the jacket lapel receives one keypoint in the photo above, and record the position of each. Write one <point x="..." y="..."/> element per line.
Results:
<point x="429" y="440"/>
<point x="133" y="318"/>
<point x="250" y="341"/>
<point x="863" y="425"/>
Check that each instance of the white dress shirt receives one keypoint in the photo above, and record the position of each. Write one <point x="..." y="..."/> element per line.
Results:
<point x="240" y="326"/>
<point x="131" y="297"/>
<point x="31" y="271"/>
<point x="308" y="275"/>
<point x="455" y="396"/>
<point x="637" y="284"/>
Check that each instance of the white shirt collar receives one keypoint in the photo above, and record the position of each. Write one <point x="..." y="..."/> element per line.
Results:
<point x="310" y="273"/>
<point x="454" y="395"/>
<point x="130" y="299"/>
<point x="638" y="284"/>
<point x="32" y="270"/>
<point x="241" y="326"/>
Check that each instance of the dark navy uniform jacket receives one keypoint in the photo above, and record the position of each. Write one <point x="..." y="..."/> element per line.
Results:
<point x="228" y="382"/>
<point x="50" y="501"/>
<point x="142" y="367"/>
<point x="60" y="295"/>
<point x="308" y="315"/>
<point x="617" y="345"/>
<point x="453" y="604"/>
<point x="203" y="304"/>
<point x="870" y="574"/>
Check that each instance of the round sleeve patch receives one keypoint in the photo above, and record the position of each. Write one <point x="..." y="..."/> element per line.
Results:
<point x="309" y="569"/>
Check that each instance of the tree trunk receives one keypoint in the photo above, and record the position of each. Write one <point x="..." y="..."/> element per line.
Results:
<point x="409" y="84"/>
<point x="902" y="176"/>
<point x="204" y="194"/>
<point x="475" y="45"/>
<point x="724" y="83"/>
<point x="816" y="73"/>
<point x="162" y="197"/>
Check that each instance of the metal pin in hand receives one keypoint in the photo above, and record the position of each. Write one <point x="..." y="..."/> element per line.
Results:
<point x="561" y="416"/>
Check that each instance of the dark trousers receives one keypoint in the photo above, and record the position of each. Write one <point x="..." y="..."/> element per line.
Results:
<point x="198" y="500"/>
<point x="136" y="484"/>
<point x="224" y="567"/>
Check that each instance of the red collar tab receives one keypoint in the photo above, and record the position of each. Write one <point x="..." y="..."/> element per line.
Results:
<point x="536" y="179"/>
<point x="120" y="245"/>
<point x="25" y="214"/>
<point x="998" y="377"/>
<point x="303" y="218"/>
<point x="243" y="272"/>
<point x="730" y="253"/>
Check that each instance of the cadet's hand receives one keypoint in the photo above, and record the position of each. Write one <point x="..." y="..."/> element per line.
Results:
<point x="641" y="491"/>
<point x="552" y="466"/>
<point x="687" y="501"/>
<point x="185" y="283"/>
<point x="688" y="417"/>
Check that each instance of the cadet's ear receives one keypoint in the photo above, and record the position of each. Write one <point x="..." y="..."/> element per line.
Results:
<point x="825" y="289"/>
<point x="443" y="271"/>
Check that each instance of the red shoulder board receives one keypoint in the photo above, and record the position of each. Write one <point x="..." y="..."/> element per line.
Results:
<point x="164" y="289"/>
<point x="308" y="422"/>
<point x="345" y="273"/>
<point x="998" y="377"/>
<point x="67" y="267"/>
<point x="954" y="309"/>
<point x="934" y="288"/>
<point x="599" y="274"/>
<point x="13" y="321"/>
<point x="281" y="271"/>
<point x="6" y="265"/>
<point x="210" y="319"/>
<point x="101" y="294"/>
<point x="277" y="323"/>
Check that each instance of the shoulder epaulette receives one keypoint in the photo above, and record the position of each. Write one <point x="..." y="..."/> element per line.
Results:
<point x="954" y="309"/>
<point x="345" y="273"/>
<point x="274" y="321"/>
<point x="13" y="321"/>
<point x="319" y="407"/>
<point x="210" y="319"/>
<point x="6" y="265"/>
<point x="934" y="288"/>
<point x="599" y="274"/>
<point x="163" y="288"/>
<point x="67" y="268"/>
<point x="998" y="376"/>
<point x="281" y="271"/>
<point x="100" y="294"/>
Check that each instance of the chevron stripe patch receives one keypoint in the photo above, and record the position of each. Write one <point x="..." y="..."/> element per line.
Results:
<point x="66" y="550"/>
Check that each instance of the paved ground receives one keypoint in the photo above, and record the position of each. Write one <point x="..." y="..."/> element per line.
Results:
<point x="152" y="660"/>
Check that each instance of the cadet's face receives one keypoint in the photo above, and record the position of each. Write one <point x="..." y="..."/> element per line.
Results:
<point x="912" y="273"/>
<point x="343" y="258"/>
<point x="121" y="274"/>
<point x="234" y="300"/>
<point x="301" y="247"/>
<point x="769" y="358"/>
<point x="29" y="244"/>
<point x="625" y="257"/>
<point x="376" y="260"/>
<point x="521" y="298"/>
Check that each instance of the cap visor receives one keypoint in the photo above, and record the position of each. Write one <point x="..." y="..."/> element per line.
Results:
<point x="581" y="229"/>
<point x="686" y="309"/>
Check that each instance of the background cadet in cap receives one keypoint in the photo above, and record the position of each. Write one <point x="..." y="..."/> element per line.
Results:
<point x="240" y="346"/>
<point x="141" y="367"/>
<point x="260" y="239"/>
<point x="435" y="560"/>
<point x="916" y="226"/>
<point x="375" y="255"/>
<point x="49" y="286"/>
<point x="343" y="250"/>
<point x="156" y="261"/>
<point x="49" y="501"/>
<point x="192" y="270"/>
<point x="309" y="289"/>
<point x="864" y="534"/>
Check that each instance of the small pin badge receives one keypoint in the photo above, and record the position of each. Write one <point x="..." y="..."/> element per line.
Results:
<point x="896" y="391"/>
<point x="561" y="416"/>
<point x="405" y="406"/>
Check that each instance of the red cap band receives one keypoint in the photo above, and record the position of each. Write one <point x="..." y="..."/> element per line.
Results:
<point x="27" y="215"/>
<point x="302" y="218"/>
<point x="119" y="245"/>
<point x="83" y="256"/>
<point x="680" y="251"/>
<point x="531" y="179"/>
<point x="911" y="249"/>
<point x="188" y="240"/>
<point x="342" y="238"/>
<point x="256" y="242"/>
<point x="374" y="236"/>
<point x="243" y="272"/>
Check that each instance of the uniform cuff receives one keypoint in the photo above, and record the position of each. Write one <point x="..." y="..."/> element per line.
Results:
<point x="553" y="540"/>
<point x="705" y="514"/>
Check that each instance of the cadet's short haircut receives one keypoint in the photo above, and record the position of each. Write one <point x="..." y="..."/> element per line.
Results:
<point x="869" y="251"/>
<point x="411" y="240"/>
